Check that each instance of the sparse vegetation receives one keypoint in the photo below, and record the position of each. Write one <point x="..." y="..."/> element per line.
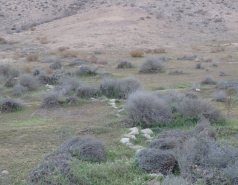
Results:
<point x="137" y="53"/>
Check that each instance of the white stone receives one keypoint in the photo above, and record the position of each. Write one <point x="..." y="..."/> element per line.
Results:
<point x="49" y="86"/>
<point x="147" y="131"/>
<point x="156" y="175"/>
<point x="134" y="131"/>
<point x="112" y="100"/>
<point x="197" y="90"/>
<point x="5" y="172"/>
<point x="130" y="136"/>
<point x="125" y="140"/>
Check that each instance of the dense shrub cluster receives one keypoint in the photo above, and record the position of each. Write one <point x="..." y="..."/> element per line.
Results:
<point x="85" y="70"/>
<point x="10" y="105"/>
<point x="124" y="64"/>
<point x="8" y="72"/>
<point x="27" y="81"/>
<point x="119" y="88"/>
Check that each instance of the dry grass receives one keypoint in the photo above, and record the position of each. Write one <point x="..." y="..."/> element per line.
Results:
<point x="33" y="29"/>
<point x="15" y="57"/>
<point x="70" y="53"/>
<point x="48" y="70"/>
<point x="148" y="51"/>
<point x="27" y="69"/>
<point x="102" y="61"/>
<point x="159" y="50"/>
<point x="62" y="48"/>
<point x="44" y="40"/>
<point x="1" y="39"/>
<point x="137" y="53"/>
<point x="32" y="57"/>
<point x="52" y="52"/>
<point x="217" y="49"/>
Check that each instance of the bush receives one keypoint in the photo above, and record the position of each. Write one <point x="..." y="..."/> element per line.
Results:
<point x="87" y="149"/>
<point x="56" y="65"/>
<point x="124" y="64"/>
<point x="146" y="109"/>
<point x="159" y="50"/>
<point x="85" y="70"/>
<point x="18" y="90"/>
<point x="56" y="165"/>
<point x="10" y="105"/>
<point x="152" y="65"/>
<point x="137" y="53"/>
<point x="208" y="80"/>
<point x="87" y="91"/>
<point x="173" y="180"/>
<point x="29" y="82"/>
<point x="52" y="60"/>
<point x="199" y="66"/>
<point x="219" y="96"/>
<point x="32" y="57"/>
<point x="194" y="108"/>
<point x="76" y="62"/>
<point x="51" y="99"/>
<point x="70" y="84"/>
<point x="8" y="72"/>
<point x="169" y="140"/>
<point x="119" y="88"/>
<point x="10" y="82"/>
<point x="187" y="57"/>
<point x="175" y="72"/>
<point x="153" y="160"/>
<point x="72" y="100"/>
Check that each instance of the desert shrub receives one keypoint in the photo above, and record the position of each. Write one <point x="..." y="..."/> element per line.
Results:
<point x="70" y="53"/>
<point x="52" y="165"/>
<point x="221" y="73"/>
<point x="169" y="140"/>
<point x="10" y="105"/>
<point x="85" y="70"/>
<point x="70" y="83"/>
<point x="154" y="160"/>
<point x="124" y="64"/>
<point x="152" y="65"/>
<point x="18" y="90"/>
<point x="159" y="50"/>
<point x="32" y="57"/>
<point x="8" y="72"/>
<point x="194" y="108"/>
<point x="51" y="99"/>
<point x="84" y="91"/>
<point x="203" y="158"/>
<point x="219" y="96"/>
<point x="44" y="40"/>
<point x="76" y="62"/>
<point x="38" y="71"/>
<point x="52" y="60"/>
<point x="217" y="49"/>
<point x="62" y="48"/>
<point x="228" y="84"/>
<point x="10" y="82"/>
<point x="191" y="94"/>
<point x="214" y="63"/>
<point x="187" y="57"/>
<point x="87" y="149"/>
<point x="174" y="180"/>
<point x="119" y="88"/>
<point x="56" y="65"/>
<point x="175" y="72"/>
<point x="146" y="109"/>
<point x="72" y="100"/>
<point x="208" y="80"/>
<point x="137" y="53"/>
<point x="199" y="66"/>
<point x="48" y="79"/>
<point x="29" y="82"/>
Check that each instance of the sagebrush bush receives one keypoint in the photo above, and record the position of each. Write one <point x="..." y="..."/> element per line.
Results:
<point x="32" y="57"/>
<point x="72" y="100"/>
<point x="208" y="80"/>
<point x="51" y="99"/>
<point x="18" y="90"/>
<point x="199" y="66"/>
<point x="76" y="62"/>
<point x="52" y="60"/>
<point x="56" y="65"/>
<point x="154" y="160"/>
<point x="159" y="50"/>
<point x="152" y="65"/>
<point x="174" y="180"/>
<point x="124" y="64"/>
<point x="137" y="53"/>
<point x="70" y="83"/>
<point x="87" y="149"/>
<point x="84" y="91"/>
<point x="146" y="109"/>
<point x="194" y="108"/>
<point x="8" y="71"/>
<point x="29" y="82"/>
<point x="219" y="96"/>
<point x="175" y="72"/>
<point x="119" y="88"/>
<point x="10" y="82"/>
<point x="10" y="105"/>
<point x="85" y="70"/>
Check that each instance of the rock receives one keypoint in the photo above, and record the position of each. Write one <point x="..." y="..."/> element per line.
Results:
<point x="160" y="175"/>
<point x="153" y="182"/>
<point x="5" y="173"/>
<point x="130" y="136"/>
<point x="147" y="136"/>
<point x="147" y="131"/>
<point x="136" y="147"/>
<point x="134" y="131"/>
<point x="125" y="140"/>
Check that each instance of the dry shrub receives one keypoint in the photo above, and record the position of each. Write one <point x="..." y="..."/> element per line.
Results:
<point x="48" y="70"/>
<point x="2" y="39"/>
<point x="137" y="53"/>
<point x="70" y="53"/>
<point x="102" y="61"/>
<point x="152" y="65"/>
<point x="51" y="99"/>
<point x="10" y="105"/>
<point x="33" y="29"/>
<point x="44" y="40"/>
<point x="62" y="48"/>
<point x="32" y="57"/>
<point x="208" y="80"/>
<point x="29" y="82"/>
<point x="148" y="51"/>
<point x="52" y="52"/>
<point x="217" y="49"/>
<point x="92" y="59"/>
<point x="15" y="57"/>
<point x="159" y="50"/>
<point x="124" y="64"/>
<point x="27" y="69"/>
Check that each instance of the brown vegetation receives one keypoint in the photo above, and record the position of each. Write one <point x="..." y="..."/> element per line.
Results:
<point x="137" y="53"/>
<point x="32" y="57"/>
